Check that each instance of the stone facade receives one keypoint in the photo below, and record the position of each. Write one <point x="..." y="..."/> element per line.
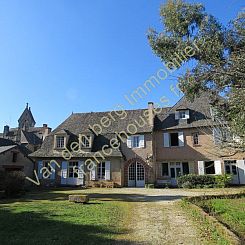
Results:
<point x="165" y="144"/>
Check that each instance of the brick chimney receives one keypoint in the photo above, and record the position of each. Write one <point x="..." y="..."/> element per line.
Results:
<point x="151" y="113"/>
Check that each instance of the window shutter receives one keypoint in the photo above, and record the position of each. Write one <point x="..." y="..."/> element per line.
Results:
<point x="93" y="173"/>
<point x="181" y="139"/>
<point x="64" y="172"/>
<point x="142" y="141"/>
<point x="81" y="170"/>
<point x="39" y="169"/>
<point x="129" y="142"/>
<point x="187" y="114"/>
<point x="166" y="140"/>
<point x="241" y="170"/>
<point x="201" y="168"/>
<point x="107" y="170"/>
<point x="52" y="164"/>
<point x="217" y="167"/>
<point x="177" y="115"/>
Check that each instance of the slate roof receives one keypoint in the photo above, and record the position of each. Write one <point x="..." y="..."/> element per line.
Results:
<point x="31" y="138"/>
<point x="6" y="148"/>
<point x="6" y="144"/>
<point x="79" y="123"/>
<point x="200" y="115"/>
<point x="27" y="111"/>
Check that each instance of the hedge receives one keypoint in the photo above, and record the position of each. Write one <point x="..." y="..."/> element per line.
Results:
<point x="203" y="181"/>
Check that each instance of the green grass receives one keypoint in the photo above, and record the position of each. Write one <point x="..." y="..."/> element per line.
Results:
<point x="210" y="233"/>
<point x="230" y="212"/>
<point x="48" y="218"/>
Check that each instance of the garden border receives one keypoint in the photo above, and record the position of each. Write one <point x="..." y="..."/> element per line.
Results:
<point x="222" y="230"/>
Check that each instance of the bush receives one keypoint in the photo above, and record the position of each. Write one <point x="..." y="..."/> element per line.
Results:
<point x="14" y="183"/>
<point x="196" y="181"/>
<point x="222" y="181"/>
<point x="204" y="181"/>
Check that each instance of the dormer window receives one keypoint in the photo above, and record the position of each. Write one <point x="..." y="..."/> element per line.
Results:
<point x="85" y="141"/>
<point x="182" y="114"/>
<point x="60" y="142"/>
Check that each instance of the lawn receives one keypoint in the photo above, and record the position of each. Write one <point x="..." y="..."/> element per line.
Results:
<point x="46" y="217"/>
<point x="230" y="212"/>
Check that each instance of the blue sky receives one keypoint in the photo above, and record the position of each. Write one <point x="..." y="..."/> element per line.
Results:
<point x="79" y="56"/>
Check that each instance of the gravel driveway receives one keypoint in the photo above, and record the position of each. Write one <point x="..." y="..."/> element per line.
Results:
<point x="156" y="217"/>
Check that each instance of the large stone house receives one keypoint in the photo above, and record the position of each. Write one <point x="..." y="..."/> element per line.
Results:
<point x="136" y="147"/>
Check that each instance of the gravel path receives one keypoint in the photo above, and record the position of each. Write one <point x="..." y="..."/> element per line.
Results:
<point x="156" y="217"/>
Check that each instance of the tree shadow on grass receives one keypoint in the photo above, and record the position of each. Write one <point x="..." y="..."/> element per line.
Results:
<point x="61" y="195"/>
<point x="34" y="228"/>
<point x="133" y="197"/>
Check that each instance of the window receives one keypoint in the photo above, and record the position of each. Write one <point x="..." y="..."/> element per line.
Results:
<point x="136" y="141"/>
<point x="14" y="159"/>
<point x="230" y="167"/>
<point x="209" y="167"/>
<point x="85" y="141"/>
<point x="101" y="171"/>
<point x="182" y="114"/>
<point x="195" y="137"/>
<point x="60" y="141"/>
<point x="174" y="139"/>
<point x="227" y="169"/>
<point x="185" y="167"/>
<point x="165" y="169"/>
<point x="73" y="170"/>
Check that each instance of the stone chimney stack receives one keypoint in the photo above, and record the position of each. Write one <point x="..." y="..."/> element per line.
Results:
<point x="46" y="130"/>
<point x="5" y="131"/>
<point x="151" y="113"/>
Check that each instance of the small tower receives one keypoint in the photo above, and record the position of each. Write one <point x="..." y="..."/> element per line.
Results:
<point x="26" y="119"/>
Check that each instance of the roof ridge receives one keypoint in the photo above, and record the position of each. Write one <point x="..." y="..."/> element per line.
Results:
<point x="94" y="112"/>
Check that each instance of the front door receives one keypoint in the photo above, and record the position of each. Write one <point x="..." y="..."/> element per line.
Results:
<point x="231" y="168"/>
<point x="175" y="171"/>
<point x="136" y="175"/>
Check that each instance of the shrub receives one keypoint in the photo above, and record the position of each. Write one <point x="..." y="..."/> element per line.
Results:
<point x="222" y="181"/>
<point x="196" y="181"/>
<point x="204" y="181"/>
<point x="14" y="183"/>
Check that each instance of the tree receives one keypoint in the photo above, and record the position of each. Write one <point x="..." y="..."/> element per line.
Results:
<point x="218" y="67"/>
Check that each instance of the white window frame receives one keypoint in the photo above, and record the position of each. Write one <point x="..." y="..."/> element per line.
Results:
<point x="100" y="167"/>
<point x="74" y="169"/>
<point x="88" y="139"/>
<point x="56" y="142"/>
<point x="230" y="164"/>
<point x="181" y="114"/>
<point x="133" y="141"/>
